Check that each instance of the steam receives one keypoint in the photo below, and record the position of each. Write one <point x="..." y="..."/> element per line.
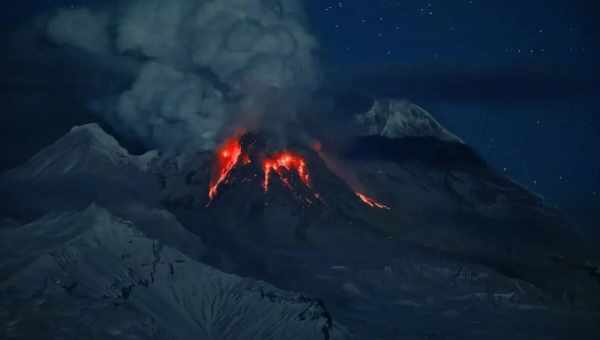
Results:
<point x="205" y="64"/>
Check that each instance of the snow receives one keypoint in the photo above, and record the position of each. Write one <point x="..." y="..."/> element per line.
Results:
<point x="399" y="119"/>
<point x="101" y="139"/>
<point x="91" y="265"/>
<point x="84" y="149"/>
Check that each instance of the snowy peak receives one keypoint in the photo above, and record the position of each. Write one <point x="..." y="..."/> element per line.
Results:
<point x="399" y="119"/>
<point x="86" y="149"/>
<point x="97" y="136"/>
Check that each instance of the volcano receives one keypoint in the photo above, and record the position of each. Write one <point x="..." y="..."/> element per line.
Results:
<point x="232" y="154"/>
<point x="428" y="228"/>
<point x="286" y="166"/>
<point x="409" y="231"/>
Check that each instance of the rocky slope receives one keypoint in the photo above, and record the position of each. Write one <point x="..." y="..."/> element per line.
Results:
<point x="91" y="275"/>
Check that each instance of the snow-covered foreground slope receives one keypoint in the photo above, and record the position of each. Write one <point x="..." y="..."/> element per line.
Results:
<point x="90" y="275"/>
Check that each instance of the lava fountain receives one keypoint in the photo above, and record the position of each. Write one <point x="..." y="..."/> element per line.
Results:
<point x="282" y="164"/>
<point x="231" y="154"/>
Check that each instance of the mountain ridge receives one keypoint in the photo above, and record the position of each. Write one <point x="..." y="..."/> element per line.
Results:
<point x="138" y="273"/>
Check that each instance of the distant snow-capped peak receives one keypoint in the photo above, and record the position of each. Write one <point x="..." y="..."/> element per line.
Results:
<point x="98" y="140"/>
<point x="85" y="148"/>
<point x="400" y="118"/>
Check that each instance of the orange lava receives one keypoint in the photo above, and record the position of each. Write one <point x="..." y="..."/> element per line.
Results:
<point x="282" y="164"/>
<point x="228" y="155"/>
<point x="371" y="201"/>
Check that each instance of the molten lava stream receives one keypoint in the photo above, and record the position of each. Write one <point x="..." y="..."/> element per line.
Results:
<point x="371" y="201"/>
<point x="287" y="161"/>
<point x="228" y="155"/>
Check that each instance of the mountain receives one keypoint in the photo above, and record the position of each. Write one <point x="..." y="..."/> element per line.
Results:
<point x="86" y="149"/>
<point x="89" y="274"/>
<point x="87" y="163"/>
<point x="459" y="242"/>
<point x="402" y="233"/>
<point x="393" y="118"/>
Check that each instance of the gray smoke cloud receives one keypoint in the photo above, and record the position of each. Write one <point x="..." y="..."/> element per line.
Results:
<point x="81" y="28"/>
<point x="205" y="64"/>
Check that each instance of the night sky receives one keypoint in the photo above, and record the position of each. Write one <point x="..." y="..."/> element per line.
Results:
<point x="517" y="80"/>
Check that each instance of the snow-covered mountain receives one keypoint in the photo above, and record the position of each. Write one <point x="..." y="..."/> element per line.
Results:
<point x="394" y="118"/>
<point x="88" y="164"/>
<point x="86" y="149"/>
<point x="461" y="249"/>
<point x="91" y="275"/>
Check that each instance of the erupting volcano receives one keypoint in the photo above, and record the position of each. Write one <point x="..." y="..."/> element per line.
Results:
<point x="231" y="153"/>
<point x="282" y="164"/>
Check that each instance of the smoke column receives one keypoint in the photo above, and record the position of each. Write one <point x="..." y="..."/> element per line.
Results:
<point x="203" y="65"/>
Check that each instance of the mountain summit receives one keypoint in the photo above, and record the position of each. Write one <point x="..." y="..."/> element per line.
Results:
<point x="86" y="149"/>
<point x="393" y="118"/>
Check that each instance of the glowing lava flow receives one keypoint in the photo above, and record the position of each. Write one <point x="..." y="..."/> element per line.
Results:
<point x="287" y="161"/>
<point x="371" y="201"/>
<point x="283" y="164"/>
<point x="228" y="155"/>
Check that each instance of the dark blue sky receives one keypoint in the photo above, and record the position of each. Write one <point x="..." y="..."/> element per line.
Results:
<point x="518" y="80"/>
<point x="459" y="31"/>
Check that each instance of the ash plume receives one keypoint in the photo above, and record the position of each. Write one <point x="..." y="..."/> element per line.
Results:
<point x="203" y="65"/>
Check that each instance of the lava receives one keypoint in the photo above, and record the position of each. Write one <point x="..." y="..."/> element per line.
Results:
<point x="232" y="154"/>
<point x="371" y="201"/>
<point x="228" y="155"/>
<point x="282" y="163"/>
